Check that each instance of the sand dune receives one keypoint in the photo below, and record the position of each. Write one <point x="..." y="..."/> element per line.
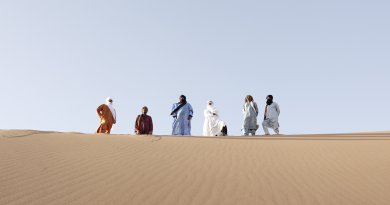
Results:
<point x="71" y="168"/>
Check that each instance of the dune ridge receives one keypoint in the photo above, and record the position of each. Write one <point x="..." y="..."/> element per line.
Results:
<point x="72" y="168"/>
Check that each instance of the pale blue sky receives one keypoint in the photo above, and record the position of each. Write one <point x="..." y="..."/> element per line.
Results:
<point x="327" y="63"/>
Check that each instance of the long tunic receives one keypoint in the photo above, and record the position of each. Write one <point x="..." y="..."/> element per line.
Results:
<point x="182" y="126"/>
<point x="272" y="112"/>
<point x="145" y="126"/>
<point x="250" y="116"/>
<point x="106" y="119"/>
<point x="271" y="116"/>
<point x="212" y="124"/>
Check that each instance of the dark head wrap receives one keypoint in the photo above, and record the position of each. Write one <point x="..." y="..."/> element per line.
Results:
<point x="181" y="103"/>
<point x="270" y="100"/>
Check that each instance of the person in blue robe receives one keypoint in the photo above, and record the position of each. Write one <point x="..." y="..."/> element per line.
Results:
<point x="182" y="114"/>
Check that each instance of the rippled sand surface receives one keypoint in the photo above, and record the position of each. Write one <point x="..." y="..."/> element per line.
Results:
<point x="73" y="168"/>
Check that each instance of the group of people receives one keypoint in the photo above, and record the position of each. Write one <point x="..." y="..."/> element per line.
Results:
<point x="182" y="114"/>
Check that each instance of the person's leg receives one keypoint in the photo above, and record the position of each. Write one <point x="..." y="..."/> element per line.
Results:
<point x="108" y="128"/>
<point x="265" y="127"/>
<point x="98" y="129"/>
<point x="103" y="128"/>
<point x="276" y="130"/>
<point x="253" y="132"/>
<point x="276" y="127"/>
<point x="245" y="131"/>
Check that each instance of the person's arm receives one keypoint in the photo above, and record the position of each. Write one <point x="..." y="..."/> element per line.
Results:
<point x="191" y="111"/>
<point x="174" y="115"/>
<point x="277" y="107"/>
<point x="207" y="113"/>
<point x="98" y="111"/>
<point x="256" y="108"/>
<point x="115" y="117"/>
<point x="265" y="112"/>
<point x="136" y="130"/>
<point x="216" y="112"/>
<point x="150" y="125"/>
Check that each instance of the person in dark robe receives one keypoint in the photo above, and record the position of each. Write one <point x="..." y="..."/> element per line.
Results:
<point x="143" y="123"/>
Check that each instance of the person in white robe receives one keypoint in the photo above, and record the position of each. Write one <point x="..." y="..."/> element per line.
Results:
<point x="213" y="126"/>
<point x="271" y="116"/>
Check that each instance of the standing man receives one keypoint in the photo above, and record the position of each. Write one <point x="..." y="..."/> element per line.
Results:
<point x="143" y="123"/>
<point x="271" y="116"/>
<point x="107" y="115"/>
<point x="182" y="114"/>
<point x="250" y="112"/>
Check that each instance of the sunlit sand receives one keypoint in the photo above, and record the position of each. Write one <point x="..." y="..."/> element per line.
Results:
<point x="73" y="168"/>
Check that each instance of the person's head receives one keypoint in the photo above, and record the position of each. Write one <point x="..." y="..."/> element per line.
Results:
<point x="109" y="100"/>
<point x="209" y="103"/>
<point x="270" y="97"/>
<point x="144" y="110"/>
<point x="248" y="98"/>
<point x="182" y="98"/>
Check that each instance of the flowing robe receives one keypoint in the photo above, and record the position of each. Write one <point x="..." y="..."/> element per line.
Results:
<point x="145" y="126"/>
<point x="250" y="116"/>
<point x="106" y="119"/>
<point x="182" y="126"/>
<point x="271" y="118"/>
<point x="212" y="124"/>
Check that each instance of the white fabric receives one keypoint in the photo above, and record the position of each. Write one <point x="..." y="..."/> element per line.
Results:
<point x="212" y="124"/>
<point x="273" y="112"/>
<point x="272" y="118"/>
<point x="246" y="108"/>
<point x="110" y="105"/>
<point x="268" y="124"/>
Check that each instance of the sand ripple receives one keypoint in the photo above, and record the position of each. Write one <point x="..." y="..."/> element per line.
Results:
<point x="72" y="168"/>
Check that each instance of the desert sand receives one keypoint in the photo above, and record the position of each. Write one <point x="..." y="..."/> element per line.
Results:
<point x="72" y="168"/>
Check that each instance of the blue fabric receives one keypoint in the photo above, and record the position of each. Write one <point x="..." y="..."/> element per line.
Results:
<point x="182" y="126"/>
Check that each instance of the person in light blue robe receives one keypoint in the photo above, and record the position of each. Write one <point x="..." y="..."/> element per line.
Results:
<point x="182" y="113"/>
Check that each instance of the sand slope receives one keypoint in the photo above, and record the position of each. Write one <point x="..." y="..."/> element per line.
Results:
<point x="71" y="168"/>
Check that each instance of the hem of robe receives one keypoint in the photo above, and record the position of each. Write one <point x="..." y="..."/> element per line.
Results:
<point x="99" y="130"/>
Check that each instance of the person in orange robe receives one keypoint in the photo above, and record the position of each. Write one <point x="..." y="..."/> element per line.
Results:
<point x="143" y="123"/>
<point x="107" y="115"/>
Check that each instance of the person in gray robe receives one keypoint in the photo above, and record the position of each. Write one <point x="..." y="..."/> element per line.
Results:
<point x="250" y="112"/>
<point x="271" y="116"/>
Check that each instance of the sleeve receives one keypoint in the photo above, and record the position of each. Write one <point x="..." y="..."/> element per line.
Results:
<point x="277" y="107"/>
<point x="100" y="108"/>
<point x="136" y="124"/>
<point x="150" y="124"/>
<point x="173" y="107"/>
<point x="191" y="113"/>
<point x="243" y="109"/>
<point x="257" y="109"/>
<point x="207" y="113"/>
<point x="216" y="112"/>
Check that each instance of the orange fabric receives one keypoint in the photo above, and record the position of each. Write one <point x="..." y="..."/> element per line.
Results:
<point x="106" y="119"/>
